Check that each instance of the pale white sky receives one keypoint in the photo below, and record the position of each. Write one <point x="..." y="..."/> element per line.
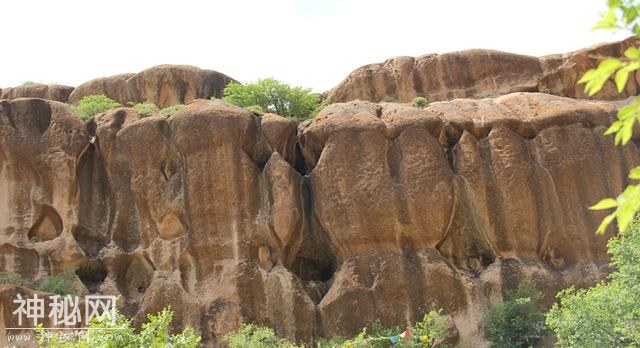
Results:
<point x="314" y="44"/>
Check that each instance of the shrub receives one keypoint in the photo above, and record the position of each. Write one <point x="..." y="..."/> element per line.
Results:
<point x="94" y="104"/>
<point x="519" y="321"/>
<point x="154" y="333"/>
<point x="431" y="331"/>
<point x="607" y="315"/>
<point x="11" y="278"/>
<point x="61" y="284"/>
<point x="144" y="109"/>
<point x="255" y="336"/>
<point x="170" y="110"/>
<point x="419" y="102"/>
<point x="295" y="103"/>
<point x="28" y="83"/>
<point x="389" y="99"/>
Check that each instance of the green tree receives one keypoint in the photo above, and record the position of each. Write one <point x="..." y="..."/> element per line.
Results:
<point x="607" y="315"/>
<point x="101" y="332"/>
<point x="295" y="103"/>
<point x="519" y="321"/>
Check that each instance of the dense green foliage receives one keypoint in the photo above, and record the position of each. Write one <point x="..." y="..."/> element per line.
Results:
<point x="607" y="315"/>
<point x="295" y="103"/>
<point x="145" y="109"/>
<point x="170" y="110"/>
<point x="102" y="333"/>
<point x="94" y="104"/>
<point x="61" y="284"/>
<point x="255" y="336"/>
<point x="419" y="102"/>
<point x="518" y="321"/>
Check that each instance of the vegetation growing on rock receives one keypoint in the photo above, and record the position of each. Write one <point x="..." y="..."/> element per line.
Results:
<point x="102" y="333"/>
<point x="61" y="284"/>
<point x="519" y="321"/>
<point x="94" y="104"/>
<point x="145" y="109"/>
<point x="295" y="103"/>
<point x="170" y="110"/>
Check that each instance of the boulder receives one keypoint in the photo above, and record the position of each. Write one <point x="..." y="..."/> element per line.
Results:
<point x="479" y="73"/>
<point x="37" y="90"/>
<point x="163" y="85"/>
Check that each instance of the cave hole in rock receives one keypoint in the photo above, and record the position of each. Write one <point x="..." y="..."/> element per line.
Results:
<point x="47" y="227"/>
<point x="133" y="275"/>
<point x="92" y="274"/>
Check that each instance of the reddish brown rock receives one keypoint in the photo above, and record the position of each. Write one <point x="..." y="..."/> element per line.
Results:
<point x="563" y="79"/>
<point x="37" y="90"/>
<point x="163" y="85"/>
<point x="479" y="74"/>
<point x="371" y="211"/>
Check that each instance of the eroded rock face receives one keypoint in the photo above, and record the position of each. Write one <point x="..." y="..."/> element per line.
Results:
<point x="163" y="85"/>
<point x="368" y="212"/>
<point x="480" y="73"/>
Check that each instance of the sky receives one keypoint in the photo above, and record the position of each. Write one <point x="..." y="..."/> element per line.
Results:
<point x="314" y="44"/>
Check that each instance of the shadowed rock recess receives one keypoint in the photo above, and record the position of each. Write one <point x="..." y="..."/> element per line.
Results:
<point x="369" y="211"/>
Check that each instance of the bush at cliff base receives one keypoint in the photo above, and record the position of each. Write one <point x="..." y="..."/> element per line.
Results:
<point x="430" y="332"/>
<point x="104" y="333"/>
<point x="607" y="315"/>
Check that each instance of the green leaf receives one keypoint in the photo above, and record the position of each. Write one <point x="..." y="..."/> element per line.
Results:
<point x="635" y="173"/>
<point x="615" y="126"/>
<point x="632" y="53"/>
<point x="607" y="22"/>
<point x="626" y="131"/>
<point x="606" y="203"/>
<point x="622" y="76"/>
<point x="588" y="76"/>
<point x="605" y="222"/>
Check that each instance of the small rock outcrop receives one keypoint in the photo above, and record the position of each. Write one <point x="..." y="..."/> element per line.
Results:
<point x="480" y="74"/>
<point x="163" y="85"/>
<point x="368" y="211"/>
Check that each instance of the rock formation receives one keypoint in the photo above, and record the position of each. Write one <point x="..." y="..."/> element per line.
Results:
<point x="37" y="90"/>
<point x="163" y="85"/>
<point x="369" y="211"/>
<point x="480" y="74"/>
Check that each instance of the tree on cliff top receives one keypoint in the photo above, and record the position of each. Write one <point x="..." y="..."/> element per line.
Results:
<point x="295" y="103"/>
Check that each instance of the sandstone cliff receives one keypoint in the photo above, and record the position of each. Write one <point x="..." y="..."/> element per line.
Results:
<point x="480" y="74"/>
<point x="369" y="211"/>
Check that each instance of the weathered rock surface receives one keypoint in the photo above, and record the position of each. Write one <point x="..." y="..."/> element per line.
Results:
<point x="480" y="73"/>
<point x="368" y="212"/>
<point x="163" y="85"/>
<point x="38" y="90"/>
